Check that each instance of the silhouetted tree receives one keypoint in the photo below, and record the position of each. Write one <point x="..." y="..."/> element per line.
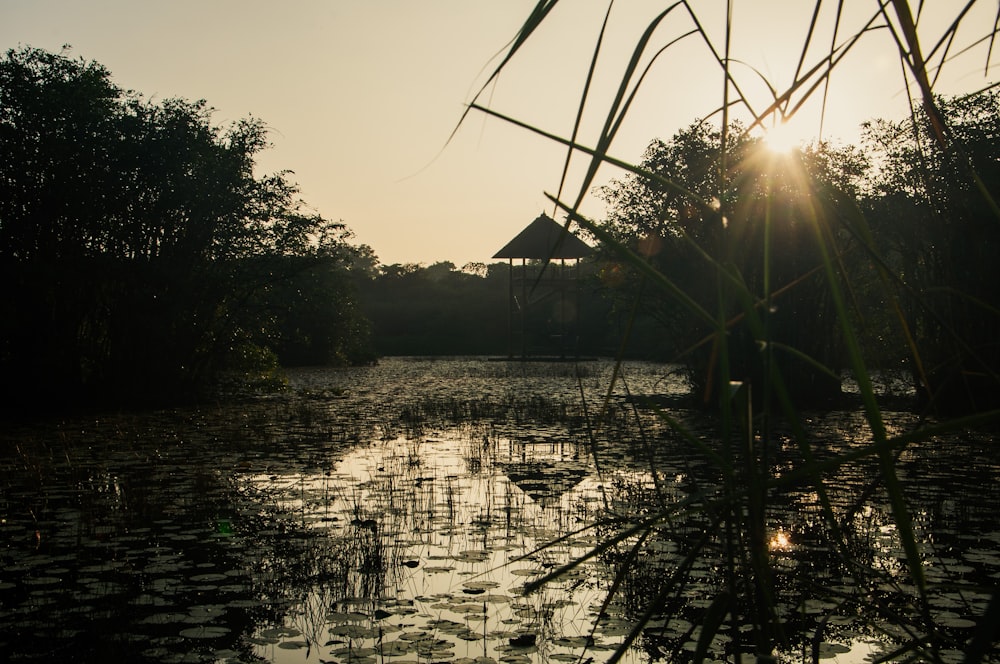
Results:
<point x="933" y="211"/>
<point x="133" y="235"/>
<point x="757" y="222"/>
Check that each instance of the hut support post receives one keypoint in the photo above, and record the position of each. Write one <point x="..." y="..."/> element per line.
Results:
<point x="510" y="308"/>
<point x="524" y="308"/>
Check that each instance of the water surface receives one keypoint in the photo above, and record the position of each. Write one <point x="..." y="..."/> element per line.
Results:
<point x="395" y="513"/>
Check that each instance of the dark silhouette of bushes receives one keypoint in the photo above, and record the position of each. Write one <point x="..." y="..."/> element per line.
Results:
<point x="440" y="310"/>
<point x="141" y="257"/>
<point x="752" y="260"/>
<point x="933" y="209"/>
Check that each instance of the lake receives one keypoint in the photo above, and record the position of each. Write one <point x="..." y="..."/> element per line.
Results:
<point x="401" y="513"/>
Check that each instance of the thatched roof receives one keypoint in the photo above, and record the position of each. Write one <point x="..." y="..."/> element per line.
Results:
<point x="544" y="238"/>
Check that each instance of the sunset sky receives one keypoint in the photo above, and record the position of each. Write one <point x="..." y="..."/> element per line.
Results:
<point x="362" y="95"/>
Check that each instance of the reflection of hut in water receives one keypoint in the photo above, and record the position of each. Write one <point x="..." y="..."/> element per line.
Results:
<point x="545" y="483"/>
<point x="544" y="467"/>
<point x="542" y="295"/>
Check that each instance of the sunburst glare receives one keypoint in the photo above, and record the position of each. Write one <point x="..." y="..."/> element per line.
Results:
<point x="785" y="136"/>
<point x="780" y="541"/>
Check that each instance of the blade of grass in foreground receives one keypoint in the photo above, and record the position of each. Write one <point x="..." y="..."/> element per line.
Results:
<point x="873" y="414"/>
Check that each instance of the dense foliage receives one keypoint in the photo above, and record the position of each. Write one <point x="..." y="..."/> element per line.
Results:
<point x="141" y="256"/>
<point x="935" y="218"/>
<point x="756" y="228"/>
<point x="441" y="310"/>
<point x="911" y="224"/>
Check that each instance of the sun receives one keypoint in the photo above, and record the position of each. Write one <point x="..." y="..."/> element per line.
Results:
<point x="783" y="137"/>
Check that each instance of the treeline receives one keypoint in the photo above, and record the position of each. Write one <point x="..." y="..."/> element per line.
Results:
<point x="437" y="309"/>
<point x="443" y="310"/>
<point x="142" y="259"/>
<point x="818" y="260"/>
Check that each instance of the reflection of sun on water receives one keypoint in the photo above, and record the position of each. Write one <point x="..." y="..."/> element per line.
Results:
<point x="780" y="541"/>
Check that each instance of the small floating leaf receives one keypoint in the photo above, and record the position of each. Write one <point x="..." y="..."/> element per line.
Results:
<point x="529" y="571"/>
<point x="205" y="632"/>
<point x="828" y="650"/>
<point x="354" y="631"/>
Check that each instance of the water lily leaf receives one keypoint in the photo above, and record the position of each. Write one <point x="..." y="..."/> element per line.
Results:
<point x="293" y="645"/>
<point x="395" y="648"/>
<point x="515" y="659"/>
<point x="205" y="632"/>
<point x="956" y="622"/>
<point x="446" y="626"/>
<point x="354" y="652"/>
<point x="472" y="556"/>
<point x="354" y="631"/>
<point x="41" y="581"/>
<point x="828" y="650"/>
<point x="338" y="617"/>
<point x="435" y="648"/>
<point x="164" y="618"/>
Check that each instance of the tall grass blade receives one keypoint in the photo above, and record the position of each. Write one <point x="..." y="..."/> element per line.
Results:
<point x="987" y="628"/>
<point x="739" y="508"/>
<point x="715" y="615"/>
<point x="873" y="414"/>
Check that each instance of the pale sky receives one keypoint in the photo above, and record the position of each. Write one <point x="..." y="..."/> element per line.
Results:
<point x="362" y="95"/>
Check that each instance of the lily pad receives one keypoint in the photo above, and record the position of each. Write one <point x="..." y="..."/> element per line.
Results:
<point x="354" y="631"/>
<point x="828" y="650"/>
<point x="205" y="632"/>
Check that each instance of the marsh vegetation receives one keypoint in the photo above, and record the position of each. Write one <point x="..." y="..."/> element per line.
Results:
<point x="763" y="496"/>
<point x="408" y="511"/>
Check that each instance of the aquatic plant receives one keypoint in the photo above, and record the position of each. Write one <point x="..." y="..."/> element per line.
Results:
<point x="752" y="367"/>
<point x="289" y="523"/>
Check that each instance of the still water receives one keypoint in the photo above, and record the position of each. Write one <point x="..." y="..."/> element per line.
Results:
<point x="396" y="513"/>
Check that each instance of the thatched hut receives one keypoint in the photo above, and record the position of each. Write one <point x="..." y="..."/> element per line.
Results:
<point x="542" y="293"/>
